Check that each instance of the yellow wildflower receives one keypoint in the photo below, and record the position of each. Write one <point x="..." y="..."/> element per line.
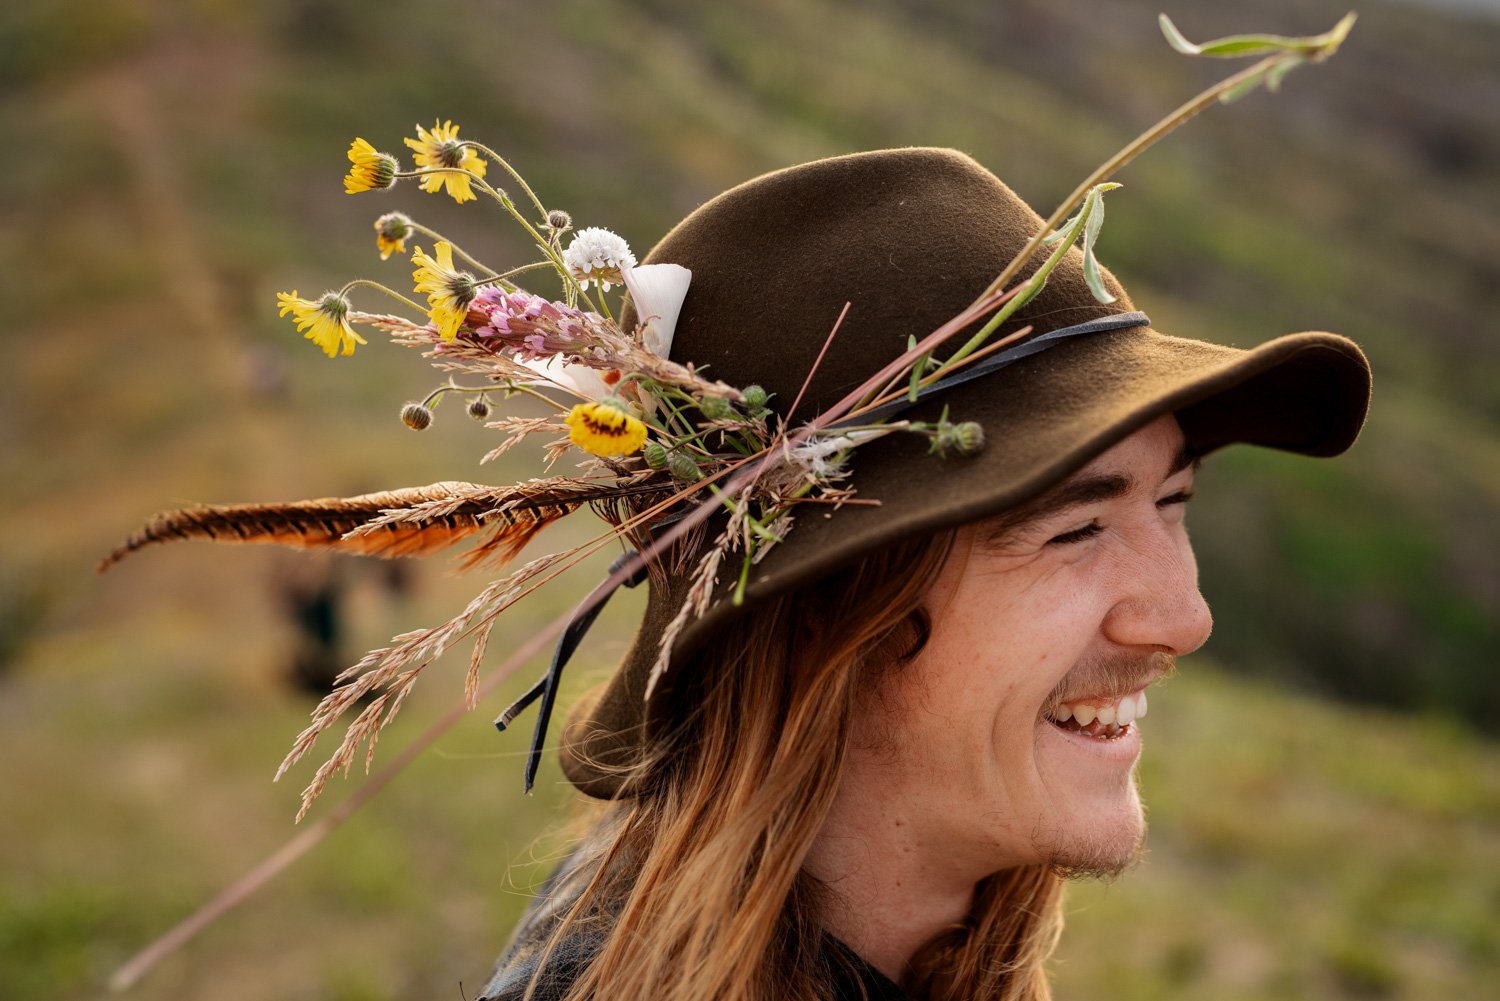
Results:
<point x="449" y="291"/>
<point x="325" y="322"/>
<point x="391" y="231"/>
<point x="441" y="149"/>
<point x="604" y="428"/>
<point x="372" y="170"/>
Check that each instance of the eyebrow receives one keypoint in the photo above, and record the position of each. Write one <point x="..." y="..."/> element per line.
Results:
<point x="1077" y="491"/>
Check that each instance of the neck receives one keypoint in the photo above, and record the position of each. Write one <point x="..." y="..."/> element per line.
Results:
<point x="889" y="894"/>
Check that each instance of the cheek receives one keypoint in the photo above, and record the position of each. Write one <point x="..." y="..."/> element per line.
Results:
<point x="971" y="701"/>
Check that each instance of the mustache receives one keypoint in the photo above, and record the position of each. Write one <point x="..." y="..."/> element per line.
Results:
<point x="1111" y="676"/>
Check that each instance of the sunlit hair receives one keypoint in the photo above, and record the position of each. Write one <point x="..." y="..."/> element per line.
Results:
<point x="694" y="888"/>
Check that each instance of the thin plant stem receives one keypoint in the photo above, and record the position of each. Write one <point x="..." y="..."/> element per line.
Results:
<point x="534" y="266"/>
<point x="505" y="165"/>
<point x="504" y="200"/>
<point x="511" y="386"/>
<point x="366" y="283"/>
<point x="827" y="342"/>
<point x="436" y="394"/>
<point x="1129" y="152"/>
<point x="898" y="367"/>
<point x="456" y="248"/>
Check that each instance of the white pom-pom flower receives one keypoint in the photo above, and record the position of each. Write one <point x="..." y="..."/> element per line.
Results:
<point x="597" y="255"/>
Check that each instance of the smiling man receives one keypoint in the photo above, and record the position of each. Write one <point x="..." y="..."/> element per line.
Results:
<point x="872" y="776"/>
<point x="1011" y="738"/>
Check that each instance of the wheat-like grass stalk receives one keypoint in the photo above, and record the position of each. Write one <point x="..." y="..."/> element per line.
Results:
<point x="395" y="669"/>
<point x="519" y="429"/>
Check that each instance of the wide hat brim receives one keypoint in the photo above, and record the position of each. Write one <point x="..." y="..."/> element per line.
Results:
<point x="1044" y="417"/>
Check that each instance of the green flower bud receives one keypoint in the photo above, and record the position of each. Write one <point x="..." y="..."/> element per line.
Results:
<point x="684" y="467"/>
<point x="966" y="438"/>
<point x="755" y="397"/>
<point x="655" y="454"/>
<point x="394" y="226"/>
<point x="716" y="408"/>
<point x="416" y="416"/>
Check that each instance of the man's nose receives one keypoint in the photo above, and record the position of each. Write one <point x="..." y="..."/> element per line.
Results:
<point x="1160" y="606"/>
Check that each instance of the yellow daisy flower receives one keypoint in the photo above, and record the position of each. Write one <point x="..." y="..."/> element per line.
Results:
<point x="325" y="322"/>
<point x="449" y="291"/>
<point x="372" y="170"/>
<point x="603" y="428"/>
<point x="440" y="148"/>
<point x="391" y="231"/>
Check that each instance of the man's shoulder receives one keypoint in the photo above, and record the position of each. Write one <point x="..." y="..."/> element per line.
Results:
<point x="529" y="962"/>
<point x="546" y="965"/>
<point x="533" y="956"/>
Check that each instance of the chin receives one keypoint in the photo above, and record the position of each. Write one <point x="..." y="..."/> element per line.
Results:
<point x="1101" y="845"/>
<point x="1093" y="823"/>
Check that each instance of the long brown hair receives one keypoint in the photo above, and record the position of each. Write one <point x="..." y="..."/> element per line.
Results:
<point x="694" y="887"/>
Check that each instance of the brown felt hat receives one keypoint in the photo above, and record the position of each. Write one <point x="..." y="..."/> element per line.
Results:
<point x="909" y="238"/>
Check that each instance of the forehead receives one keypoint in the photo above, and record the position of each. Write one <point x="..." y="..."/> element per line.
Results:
<point x="1157" y="450"/>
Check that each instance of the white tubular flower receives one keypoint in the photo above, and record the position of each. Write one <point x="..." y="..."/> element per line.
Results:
<point x="580" y="380"/>
<point x="598" y="255"/>
<point x="657" y="291"/>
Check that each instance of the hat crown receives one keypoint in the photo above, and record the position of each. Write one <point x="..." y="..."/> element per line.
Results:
<point x="909" y="238"/>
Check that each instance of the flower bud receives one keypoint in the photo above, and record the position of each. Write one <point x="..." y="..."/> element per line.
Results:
<point x="391" y="231"/>
<point x="716" y="408"/>
<point x="559" y="221"/>
<point x="684" y="467"/>
<point x="655" y="454"/>
<point x="479" y="408"/>
<point x="966" y="438"/>
<point x="755" y="397"/>
<point x="416" y="416"/>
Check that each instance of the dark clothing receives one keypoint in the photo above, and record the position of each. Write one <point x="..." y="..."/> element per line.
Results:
<point x="853" y="978"/>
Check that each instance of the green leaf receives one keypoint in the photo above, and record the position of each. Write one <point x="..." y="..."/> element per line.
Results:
<point x="916" y="377"/>
<point x="917" y="367"/>
<point x="1242" y="88"/>
<point x="1174" y="37"/>
<point x="1093" y="207"/>
<point x="1236" y="46"/>
<point x="1281" y="69"/>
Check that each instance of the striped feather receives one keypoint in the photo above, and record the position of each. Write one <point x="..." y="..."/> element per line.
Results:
<point x="413" y="521"/>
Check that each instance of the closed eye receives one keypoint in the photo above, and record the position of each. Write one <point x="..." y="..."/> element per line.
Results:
<point x="1180" y="497"/>
<point x="1076" y="535"/>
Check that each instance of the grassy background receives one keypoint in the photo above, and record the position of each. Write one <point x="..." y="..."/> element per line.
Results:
<point x="178" y="162"/>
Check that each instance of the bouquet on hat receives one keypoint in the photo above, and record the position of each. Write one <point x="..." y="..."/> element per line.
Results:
<point x="654" y="446"/>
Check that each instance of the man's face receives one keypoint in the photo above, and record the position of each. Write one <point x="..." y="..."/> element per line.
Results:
<point x="1081" y="598"/>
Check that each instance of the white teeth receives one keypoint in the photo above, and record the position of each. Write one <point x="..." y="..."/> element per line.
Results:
<point x="1121" y="714"/>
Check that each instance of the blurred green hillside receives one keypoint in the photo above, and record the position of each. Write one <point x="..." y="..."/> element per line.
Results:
<point x="183" y="159"/>
<point x="178" y="162"/>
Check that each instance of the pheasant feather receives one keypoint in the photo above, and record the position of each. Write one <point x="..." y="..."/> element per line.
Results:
<point x="413" y="521"/>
